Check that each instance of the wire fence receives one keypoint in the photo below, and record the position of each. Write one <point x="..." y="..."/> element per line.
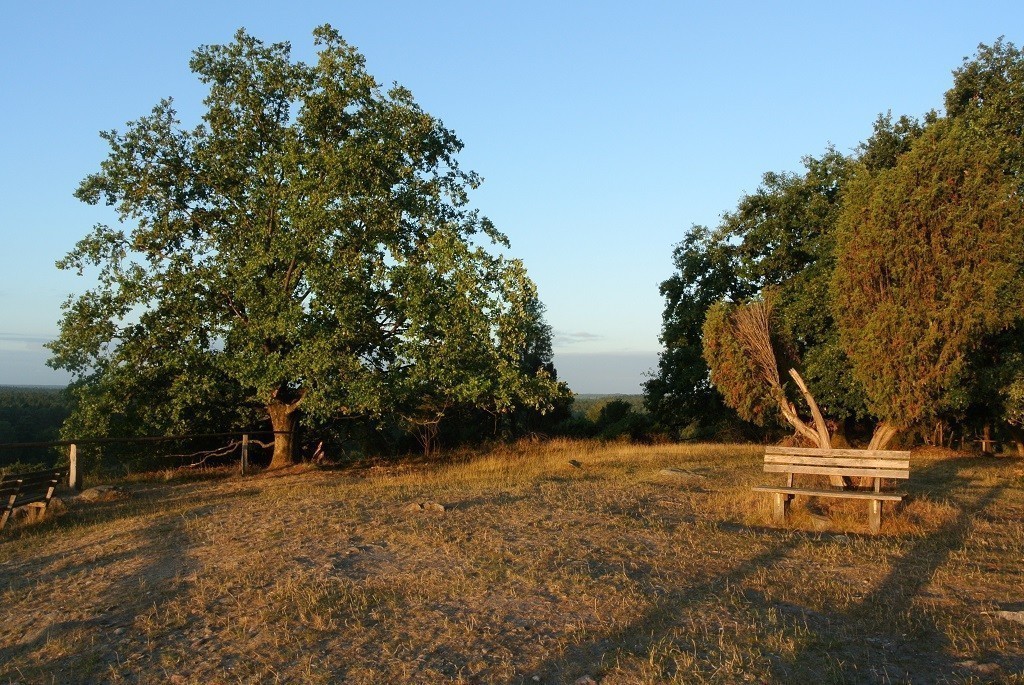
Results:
<point x="239" y="441"/>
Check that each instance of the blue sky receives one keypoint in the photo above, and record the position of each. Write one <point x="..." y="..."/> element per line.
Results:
<point x="603" y="130"/>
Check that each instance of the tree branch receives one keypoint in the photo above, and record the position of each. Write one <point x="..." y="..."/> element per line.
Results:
<point x="823" y="438"/>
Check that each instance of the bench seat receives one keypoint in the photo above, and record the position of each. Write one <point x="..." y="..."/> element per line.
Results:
<point x="842" y="494"/>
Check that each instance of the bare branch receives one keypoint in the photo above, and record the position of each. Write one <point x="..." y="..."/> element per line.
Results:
<point x="824" y="439"/>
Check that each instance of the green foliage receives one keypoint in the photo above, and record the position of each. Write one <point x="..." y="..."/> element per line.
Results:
<point x="608" y="417"/>
<point x="931" y="254"/>
<point x="618" y="419"/>
<point x="31" y="414"/>
<point x="308" y="243"/>
<point x="680" y="397"/>
<point x="788" y="237"/>
<point x="731" y="368"/>
<point x="924" y="216"/>
<point x="781" y="238"/>
<point x="889" y="140"/>
<point x="987" y="98"/>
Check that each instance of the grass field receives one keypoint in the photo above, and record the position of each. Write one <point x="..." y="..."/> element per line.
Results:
<point x="633" y="565"/>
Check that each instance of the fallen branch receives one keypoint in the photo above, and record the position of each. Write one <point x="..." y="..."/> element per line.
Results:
<point x="206" y="454"/>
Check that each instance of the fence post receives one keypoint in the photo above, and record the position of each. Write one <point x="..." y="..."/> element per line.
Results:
<point x="245" y="453"/>
<point x="74" y="473"/>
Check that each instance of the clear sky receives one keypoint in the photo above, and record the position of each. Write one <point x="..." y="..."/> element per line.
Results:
<point x="603" y="130"/>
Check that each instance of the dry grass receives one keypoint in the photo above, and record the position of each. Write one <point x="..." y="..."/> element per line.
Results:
<point x="538" y="569"/>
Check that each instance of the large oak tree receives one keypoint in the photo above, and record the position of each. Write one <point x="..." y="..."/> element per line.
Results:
<point x="306" y="247"/>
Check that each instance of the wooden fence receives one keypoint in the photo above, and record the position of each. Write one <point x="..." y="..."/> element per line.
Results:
<point x="75" y="472"/>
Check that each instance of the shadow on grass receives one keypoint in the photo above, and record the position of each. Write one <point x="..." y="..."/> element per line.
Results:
<point x="657" y="623"/>
<point x="73" y="638"/>
<point x="883" y="637"/>
<point x="104" y="565"/>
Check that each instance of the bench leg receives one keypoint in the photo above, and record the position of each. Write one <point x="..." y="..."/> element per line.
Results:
<point x="780" y="507"/>
<point x="875" y="516"/>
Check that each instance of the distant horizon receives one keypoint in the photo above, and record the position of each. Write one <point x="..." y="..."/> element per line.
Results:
<point x="585" y="395"/>
<point x="586" y="373"/>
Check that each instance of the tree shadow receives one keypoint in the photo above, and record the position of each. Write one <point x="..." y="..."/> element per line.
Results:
<point x="830" y="645"/>
<point x="658" y="620"/>
<point x="913" y="649"/>
<point x="74" y="637"/>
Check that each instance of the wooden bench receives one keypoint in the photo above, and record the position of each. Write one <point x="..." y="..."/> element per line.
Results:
<point x="874" y="464"/>
<point x="36" y="487"/>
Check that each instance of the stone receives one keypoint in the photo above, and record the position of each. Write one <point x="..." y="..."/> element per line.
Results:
<point x="682" y="473"/>
<point x="576" y="463"/>
<point x="424" y="506"/>
<point x="103" y="493"/>
<point x="27" y="513"/>
<point x="584" y="680"/>
<point x="690" y="480"/>
<point x="1015" y="616"/>
<point x="820" y="523"/>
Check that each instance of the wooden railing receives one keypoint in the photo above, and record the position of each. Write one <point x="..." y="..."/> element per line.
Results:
<point x="75" y="473"/>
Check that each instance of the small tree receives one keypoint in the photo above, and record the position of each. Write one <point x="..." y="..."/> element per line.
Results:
<point x="744" y="366"/>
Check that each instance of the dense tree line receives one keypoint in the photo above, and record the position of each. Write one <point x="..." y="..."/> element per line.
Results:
<point x="31" y="415"/>
<point x="872" y="294"/>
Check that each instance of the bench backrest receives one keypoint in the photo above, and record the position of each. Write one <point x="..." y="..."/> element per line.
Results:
<point x="17" y="489"/>
<point x="36" y="486"/>
<point x="838" y="462"/>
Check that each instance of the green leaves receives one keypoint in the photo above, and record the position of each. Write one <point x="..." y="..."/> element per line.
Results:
<point x="930" y="264"/>
<point x="309" y="238"/>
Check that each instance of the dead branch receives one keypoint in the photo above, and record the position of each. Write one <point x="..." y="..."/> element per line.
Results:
<point x="206" y="454"/>
<point x="752" y="324"/>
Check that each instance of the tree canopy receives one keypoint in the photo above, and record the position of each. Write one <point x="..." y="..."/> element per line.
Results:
<point x="893" y="273"/>
<point x="931" y="258"/>
<point x="307" y="247"/>
<point x="779" y="238"/>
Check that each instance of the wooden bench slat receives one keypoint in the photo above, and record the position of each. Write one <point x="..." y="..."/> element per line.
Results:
<point x="875" y="464"/>
<point x="31" y="499"/>
<point x="21" y="489"/>
<point x="843" y="494"/>
<point x="37" y="477"/>
<point x="821" y="452"/>
<point x="33" y="475"/>
<point x="837" y="471"/>
<point x="838" y="461"/>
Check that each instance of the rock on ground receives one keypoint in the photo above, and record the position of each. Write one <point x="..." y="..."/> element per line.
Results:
<point x="102" y="493"/>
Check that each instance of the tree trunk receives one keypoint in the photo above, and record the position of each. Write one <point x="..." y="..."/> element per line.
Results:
<point x="883" y="436"/>
<point x="426" y="435"/>
<point x="820" y="427"/>
<point x="1018" y="438"/>
<point x="283" y="420"/>
<point x="988" y="447"/>
<point x="819" y="434"/>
